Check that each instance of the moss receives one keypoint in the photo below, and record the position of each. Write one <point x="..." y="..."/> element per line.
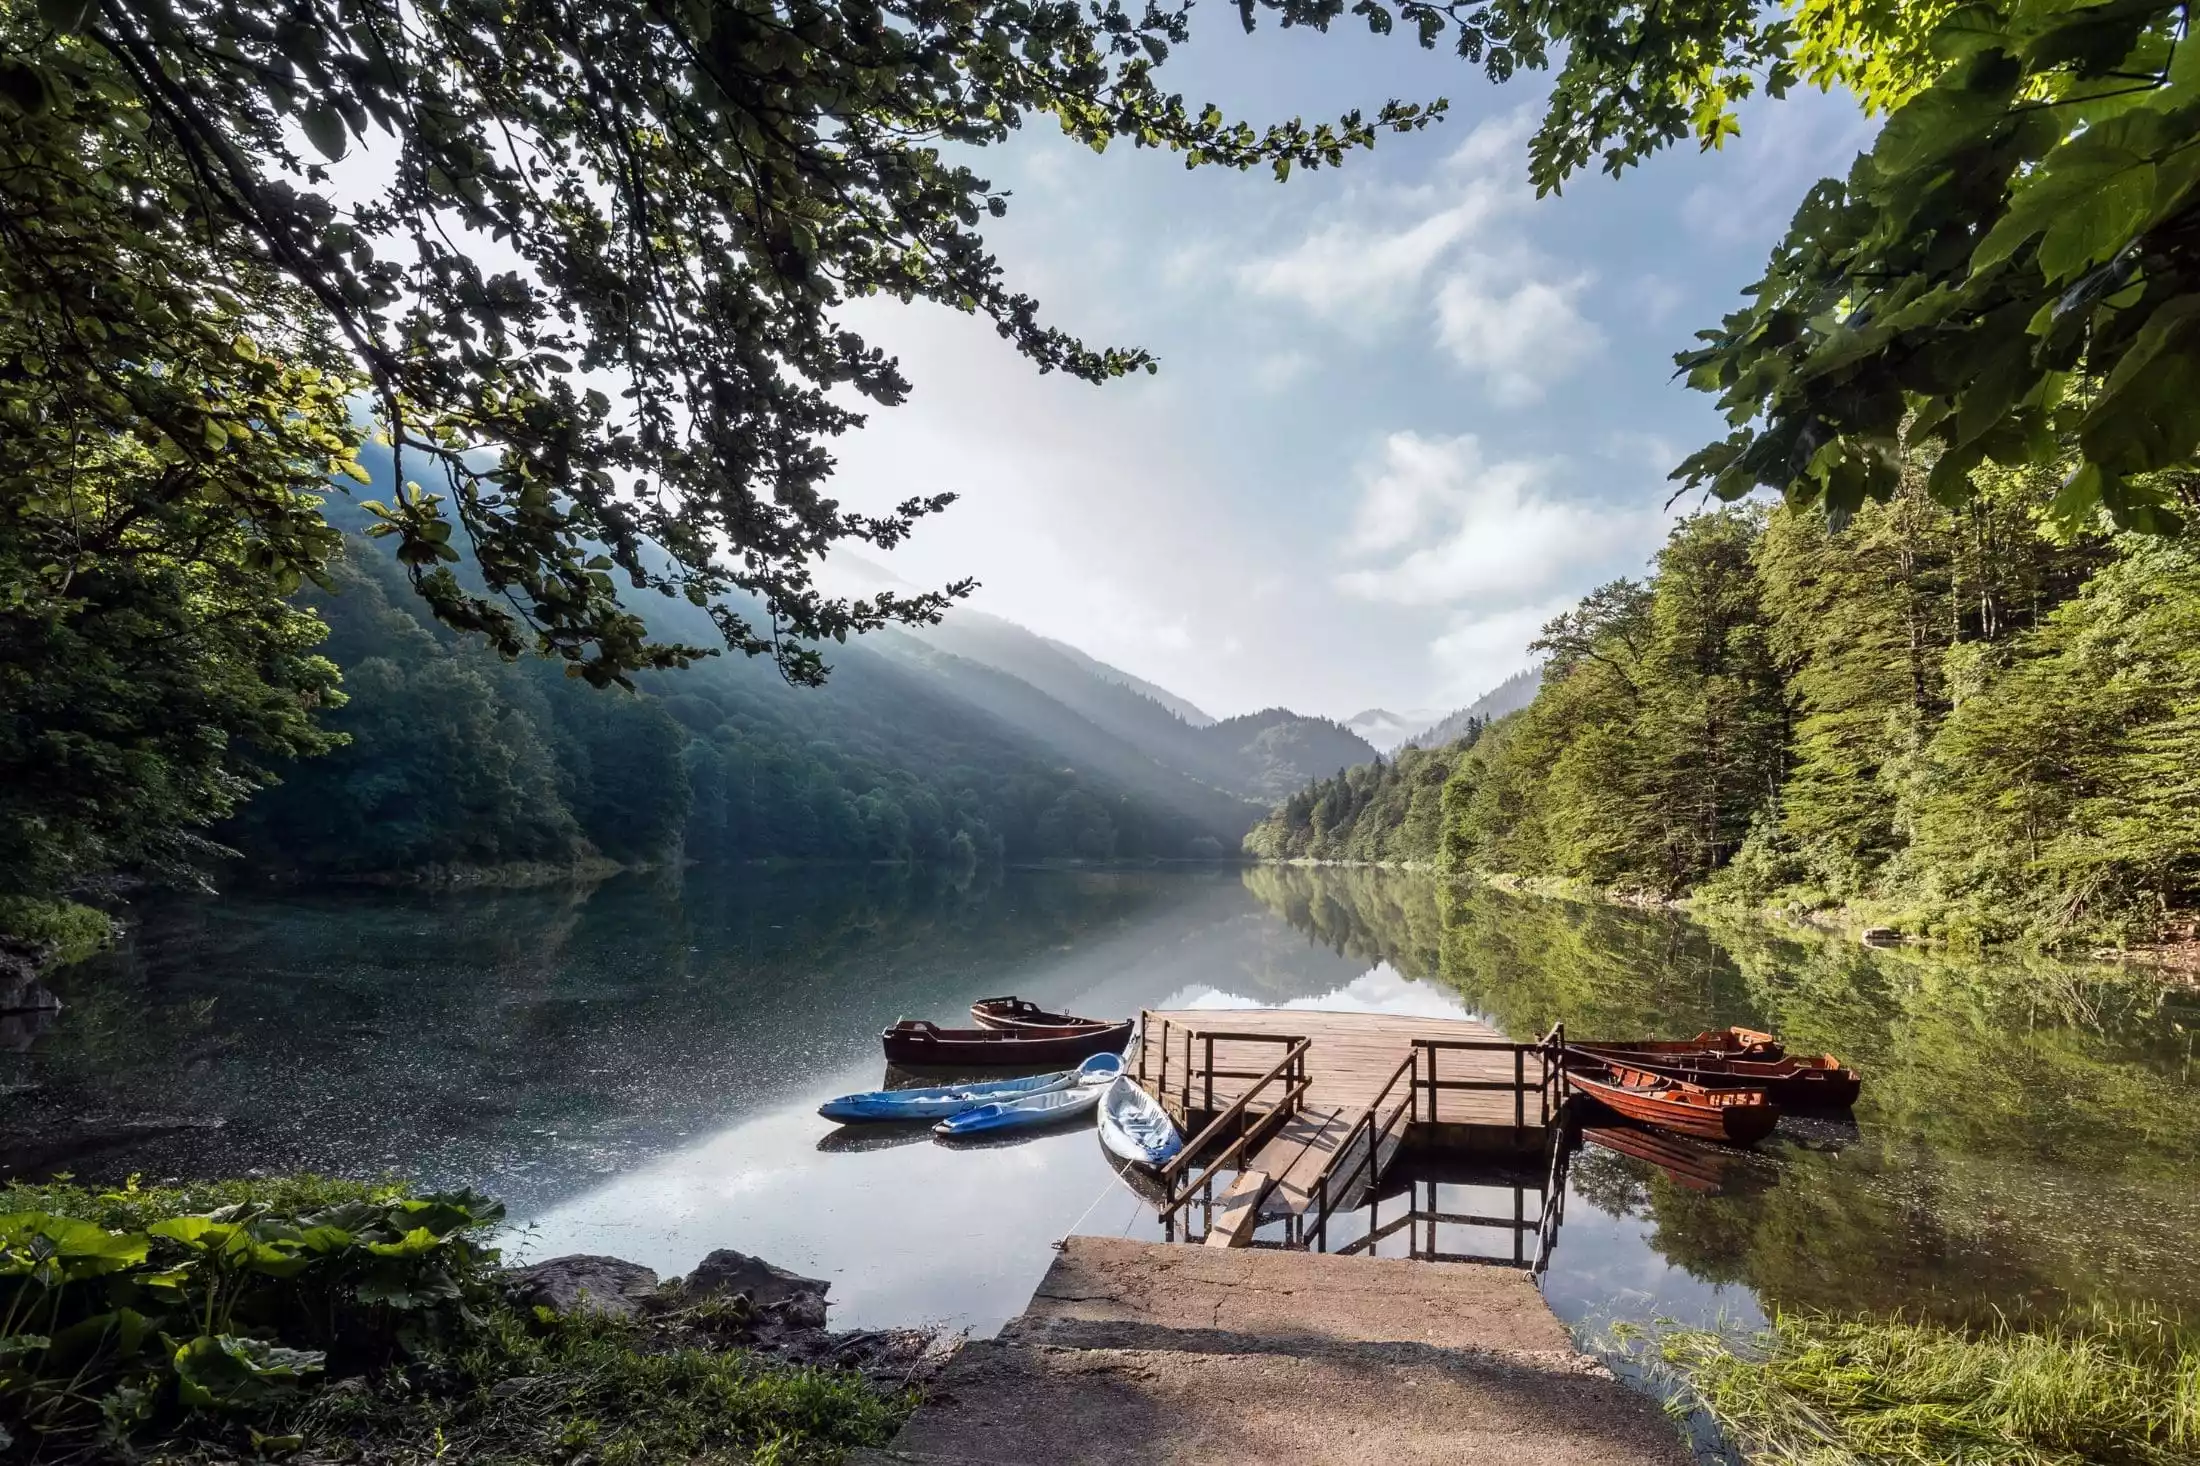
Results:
<point x="73" y="932"/>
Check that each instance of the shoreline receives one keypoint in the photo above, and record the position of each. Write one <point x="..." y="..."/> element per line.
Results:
<point x="2177" y="959"/>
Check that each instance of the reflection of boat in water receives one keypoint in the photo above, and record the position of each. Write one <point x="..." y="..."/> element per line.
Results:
<point x="917" y="1042"/>
<point x="1736" y="1116"/>
<point x="1689" y="1165"/>
<point x="856" y="1139"/>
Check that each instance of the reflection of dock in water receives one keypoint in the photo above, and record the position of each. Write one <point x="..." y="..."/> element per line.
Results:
<point x="1380" y="1135"/>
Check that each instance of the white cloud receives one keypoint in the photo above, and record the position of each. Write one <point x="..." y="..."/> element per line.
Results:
<point x="1518" y="340"/>
<point x="1349" y="272"/>
<point x="1479" y="650"/>
<point x="1281" y="369"/>
<point x="1497" y="304"/>
<point x="1481" y="532"/>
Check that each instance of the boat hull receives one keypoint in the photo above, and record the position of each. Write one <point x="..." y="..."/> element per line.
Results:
<point x="1734" y="1116"/>
<point x="1135" y="1128"/>
<point x="1721" y="1043"/>
<point x="926" y="1045"/>
<point x="1034" y="1112"/>
<point x="938" y="1102"/>
<point x="1816" y="1083"/>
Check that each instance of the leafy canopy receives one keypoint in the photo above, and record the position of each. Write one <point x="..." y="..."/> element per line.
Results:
<point x="591" y="286"/>
<point x="2008" y="270"/>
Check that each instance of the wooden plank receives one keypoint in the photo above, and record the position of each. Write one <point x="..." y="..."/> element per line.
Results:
<point x="1303" y="1148"/>
<point x="1239" y="1213"/>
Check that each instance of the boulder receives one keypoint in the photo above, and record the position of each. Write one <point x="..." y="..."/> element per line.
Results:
<point x="609" y="1285"/>
<point x="797" y="1301"/>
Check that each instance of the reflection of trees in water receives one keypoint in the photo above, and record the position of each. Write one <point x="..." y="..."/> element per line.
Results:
<point x="2030" y="1129"/>
<point x="455" y="1033"/>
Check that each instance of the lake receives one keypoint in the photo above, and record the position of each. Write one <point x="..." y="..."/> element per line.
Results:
<point x="634" y="1067"/>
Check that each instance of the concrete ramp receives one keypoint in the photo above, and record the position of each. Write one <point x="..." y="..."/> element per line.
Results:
<point x="1158" y="1355"/>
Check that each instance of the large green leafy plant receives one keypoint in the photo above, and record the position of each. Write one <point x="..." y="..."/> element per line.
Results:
<point x="105" y="1331"/>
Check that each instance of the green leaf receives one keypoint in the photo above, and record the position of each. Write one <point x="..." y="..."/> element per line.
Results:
<point x="324" y="128"/>
<point x="228" y="1371"/>
<point x="2092" y="225"/>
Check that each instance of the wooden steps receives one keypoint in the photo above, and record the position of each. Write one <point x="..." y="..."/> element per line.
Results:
<point x="1239" y="1213"/>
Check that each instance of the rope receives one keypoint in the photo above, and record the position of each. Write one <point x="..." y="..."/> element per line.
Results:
<point x="1114" y="1176"/>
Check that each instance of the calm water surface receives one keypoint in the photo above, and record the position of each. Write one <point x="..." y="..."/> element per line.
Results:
<point x="635" y="1069"/>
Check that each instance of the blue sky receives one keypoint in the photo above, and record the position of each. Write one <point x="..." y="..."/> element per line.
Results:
<point x="1406" y="411"/>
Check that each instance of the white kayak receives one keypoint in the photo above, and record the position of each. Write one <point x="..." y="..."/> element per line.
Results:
<point x="1134" y="1126"/>
<point x="1051" y="1108"/>
<point x="943" y="1100"/>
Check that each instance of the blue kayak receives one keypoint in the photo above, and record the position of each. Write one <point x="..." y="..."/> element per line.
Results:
<point x="1134" y="1126"/>
<point x="1051" y="1108"/>
<point x="952" y="1099"/>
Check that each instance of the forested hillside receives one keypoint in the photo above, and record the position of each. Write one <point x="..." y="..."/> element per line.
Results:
<point x="1389" y="812"/>
<point x="458" y="758"/>
<point x="1955" y="720"/>
<point x="1508" y="696"/>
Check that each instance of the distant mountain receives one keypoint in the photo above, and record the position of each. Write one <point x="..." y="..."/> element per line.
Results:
<point x="1508" y="696"/>
<point x="1263" y="755"/>
<point x="1281" y="752"/>
<point x="1386" y="730"/>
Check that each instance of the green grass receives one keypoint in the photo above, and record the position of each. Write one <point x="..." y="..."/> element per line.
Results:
<point x="2117" y="1387"/>
<point x="624" y="1394"/>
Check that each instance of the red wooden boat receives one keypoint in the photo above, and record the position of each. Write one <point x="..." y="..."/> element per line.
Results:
<point x="1014" y="1012"/>
<point x="1818" y="1082"/>
<point x="914" y="1041"/>
<point x="1736" y="1116"/>
<point x="1717" y="1043"/>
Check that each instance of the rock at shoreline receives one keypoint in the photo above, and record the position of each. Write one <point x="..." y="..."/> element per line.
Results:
<point x="784" y="1317"/>
<point x="609" y="1285"/>
<point x="797" y="1301"/>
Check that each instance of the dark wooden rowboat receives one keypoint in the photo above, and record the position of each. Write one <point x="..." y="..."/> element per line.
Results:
<point x="914" y="1041"/>
<point x="1014" y="1012"/>
<point x="1818" y="1082"/>
<point x="1736" y="1116"/>
<point x="1716" y="1043"/>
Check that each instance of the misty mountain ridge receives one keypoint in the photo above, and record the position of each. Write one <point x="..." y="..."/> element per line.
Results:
<point x="1508" y="696"/>
<point x="1387" y="731"/>
<point x="1260" y="756"/>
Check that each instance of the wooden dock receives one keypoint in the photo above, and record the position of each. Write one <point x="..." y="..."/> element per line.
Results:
<point x="1307" y="1108"/>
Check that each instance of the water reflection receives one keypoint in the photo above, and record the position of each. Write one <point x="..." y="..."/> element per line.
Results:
<point x="636" y="1069"/>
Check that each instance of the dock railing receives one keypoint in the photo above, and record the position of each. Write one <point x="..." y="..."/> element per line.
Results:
<point x="1287" y="1075"/>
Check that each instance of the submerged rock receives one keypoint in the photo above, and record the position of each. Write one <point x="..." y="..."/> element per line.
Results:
<point x="579" y="1282"/>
